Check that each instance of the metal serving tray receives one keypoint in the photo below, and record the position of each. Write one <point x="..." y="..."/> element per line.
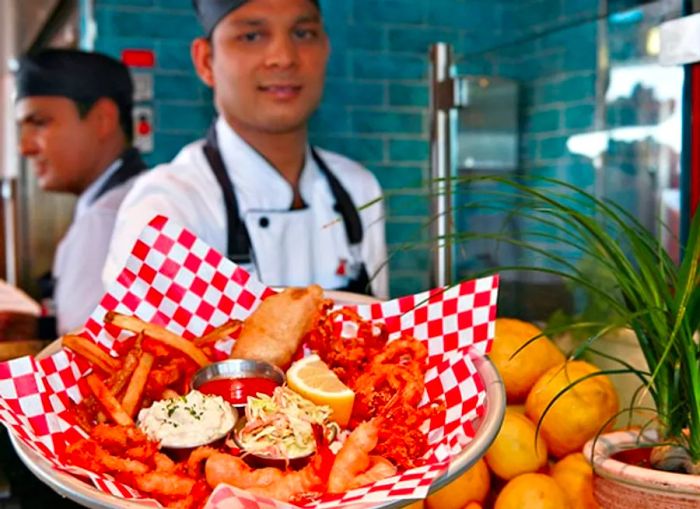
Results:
<point x="486" y="429"/>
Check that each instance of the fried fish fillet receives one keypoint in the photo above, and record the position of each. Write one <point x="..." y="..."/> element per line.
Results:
<point x="275" y="329"/>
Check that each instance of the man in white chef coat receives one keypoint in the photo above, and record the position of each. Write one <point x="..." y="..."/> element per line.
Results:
<point x="254" y="188"/>
<point x="73" y="111"/>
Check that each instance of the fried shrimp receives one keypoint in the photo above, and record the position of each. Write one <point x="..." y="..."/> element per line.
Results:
<point x="353" y="457"/>
<point x="196" y="457"/>
<point x="272" y="482"/>
<point x="164" y="483"/>
<point x="224" y="468"/>
<point x="380" y="468"/>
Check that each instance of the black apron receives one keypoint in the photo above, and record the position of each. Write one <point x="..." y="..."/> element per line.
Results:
<point x="239" y="248"/>
<point x="131" y="165"/>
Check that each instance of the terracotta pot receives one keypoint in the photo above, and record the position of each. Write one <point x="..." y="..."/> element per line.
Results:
<point x="624" y="485"/>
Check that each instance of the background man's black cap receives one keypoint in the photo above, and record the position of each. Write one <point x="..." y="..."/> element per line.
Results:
<point x="74" y="74"/>
<point x="210" y="12"/>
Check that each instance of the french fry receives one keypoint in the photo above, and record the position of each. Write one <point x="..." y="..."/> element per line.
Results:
<point x="134" y="390"/>
<point x="118" y="380"/>
<point x="108" y="401"/>
<point x="223" y="330"/>
<point x="158" y="333"/>
<point x="90" y="351"/>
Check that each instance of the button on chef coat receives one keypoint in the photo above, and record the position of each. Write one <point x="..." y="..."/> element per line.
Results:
<point x="80" y="256"/>
<point x="295" y="248"/>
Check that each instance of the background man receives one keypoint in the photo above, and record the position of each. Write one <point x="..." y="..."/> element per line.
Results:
<point x="73" y="111"/>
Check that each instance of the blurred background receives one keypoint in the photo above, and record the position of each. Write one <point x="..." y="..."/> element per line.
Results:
<point x="570" y="89"/>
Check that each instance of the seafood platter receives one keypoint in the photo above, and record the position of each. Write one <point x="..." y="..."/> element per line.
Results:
<point x="194" y="385"/>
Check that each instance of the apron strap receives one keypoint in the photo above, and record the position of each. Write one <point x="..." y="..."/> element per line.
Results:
<point x="239" y="248"/>
<point x="131" y="165"/>
<point x="343" y="203"/>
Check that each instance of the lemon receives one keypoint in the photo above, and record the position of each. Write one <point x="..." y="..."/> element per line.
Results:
<point x="532" y="491"/>
<point x="520" y="371"/>
<point x="515" y="450"/>
<point x="472" y="486"/>
<point x="579" y="413"/>
<point x="313" y="379"/>
<point x="575" y="476"/>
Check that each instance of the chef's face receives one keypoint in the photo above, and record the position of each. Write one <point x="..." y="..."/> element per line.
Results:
<point x="266" y="62"/>
<point x="60" y="144"/>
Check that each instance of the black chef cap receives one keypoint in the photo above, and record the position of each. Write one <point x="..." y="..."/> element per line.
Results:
<point x="210" y="12"/>
<point x="77" y="75"/>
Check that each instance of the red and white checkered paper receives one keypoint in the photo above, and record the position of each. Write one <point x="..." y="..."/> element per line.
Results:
<point x="174" y="279"/>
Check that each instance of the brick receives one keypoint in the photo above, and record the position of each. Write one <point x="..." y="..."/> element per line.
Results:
<point x="166" y="146"/>
<point x="363" y="149"/>
<point x="400" y="177"/>
<point x="579" y="117"/>
<point x="468" y="15"/>
<point x="367" y="65"/>
<point x="114" y="46"/>
<point x="369" y="121"/>
<point x="337" y="65"/>
<point x="174" y="55"/>
<point x="401" y="94"/>
<point x="407" y="205"/>
<point x="581" y="174"/>
<point x="409" y="150"/>
<point x="409" y="258"/>
<point x="126" y="3"/>
<point x="553" y="147"/>
<point x="189" y="118"/>
<point x="367" y="37"/>
<point x="402" y="231"/>
<point x="541" y="121"/>
<point x="170" y="25"/>
<point x="331" y="119"/>
<point x="418" y="39"/>
<point x="178" y="87"/>
<point x="353" y="93"/>
<point x="389" y="12"/>
<point x="171" y="5"/>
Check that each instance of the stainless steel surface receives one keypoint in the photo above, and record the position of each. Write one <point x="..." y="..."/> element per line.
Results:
<point x="486" y="429"/>
<point x="441" y="105"/>
<point x="237" y="368"/>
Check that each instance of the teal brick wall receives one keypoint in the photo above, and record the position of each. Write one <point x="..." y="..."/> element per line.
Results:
<point x="375" y="107"/>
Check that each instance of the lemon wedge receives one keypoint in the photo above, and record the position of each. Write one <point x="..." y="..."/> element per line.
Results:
<point x="313" y="379"/>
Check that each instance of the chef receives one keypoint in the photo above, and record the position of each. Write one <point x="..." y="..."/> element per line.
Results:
<point x="73" y="111"/>
<point x="254" y="188"/>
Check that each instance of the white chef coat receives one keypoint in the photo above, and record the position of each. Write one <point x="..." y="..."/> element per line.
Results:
<point x="290" y="247"/>
<point x="80" y="256"/>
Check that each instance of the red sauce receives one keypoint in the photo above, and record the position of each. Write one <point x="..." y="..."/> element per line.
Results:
<point x="237" y="390"/>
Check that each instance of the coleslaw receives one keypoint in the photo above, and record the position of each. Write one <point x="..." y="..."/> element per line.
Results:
<point x="281" y="425"/>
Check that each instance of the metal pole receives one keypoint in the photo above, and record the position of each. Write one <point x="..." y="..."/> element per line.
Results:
<point x="441" y="102"/>
<point x="8" y="151"/>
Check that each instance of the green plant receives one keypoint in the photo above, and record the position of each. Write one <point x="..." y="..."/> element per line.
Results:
<point x="657" y="299"/>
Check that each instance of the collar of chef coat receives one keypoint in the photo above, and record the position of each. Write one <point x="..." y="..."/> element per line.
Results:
<point x="87" y="197"/>
<point x="258" y="185"/>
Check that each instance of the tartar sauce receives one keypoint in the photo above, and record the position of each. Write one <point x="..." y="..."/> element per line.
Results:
<point x="187" y="421"/>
